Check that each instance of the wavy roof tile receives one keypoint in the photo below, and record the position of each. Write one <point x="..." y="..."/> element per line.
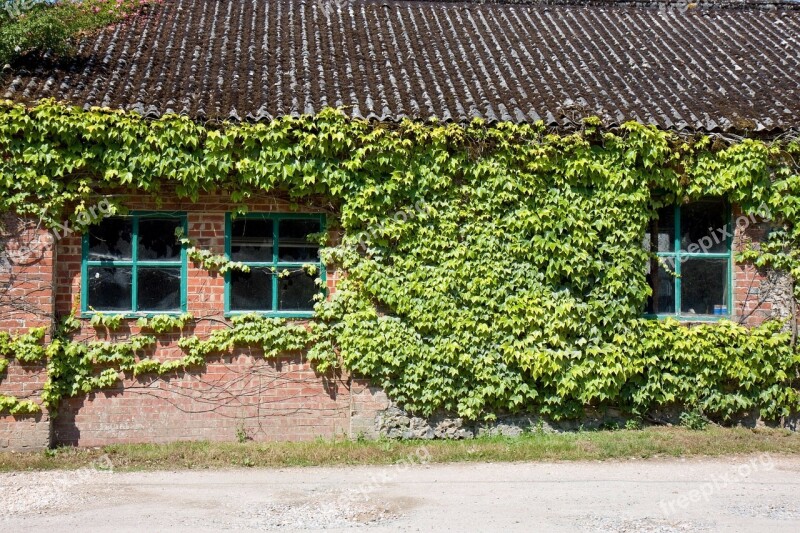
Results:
<point x="701" y="69"/>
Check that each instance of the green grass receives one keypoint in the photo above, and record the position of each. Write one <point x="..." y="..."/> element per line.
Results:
<point x="579" y="446"/>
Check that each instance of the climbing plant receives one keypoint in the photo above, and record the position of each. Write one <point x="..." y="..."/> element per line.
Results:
<point x="490" y="268"/>
<point x="26" y="348"/>
<point x="209" y="261"/>
<point x="52" y="27"/>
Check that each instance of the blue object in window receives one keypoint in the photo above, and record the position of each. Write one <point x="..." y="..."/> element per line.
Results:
<point x="691" y="271"/>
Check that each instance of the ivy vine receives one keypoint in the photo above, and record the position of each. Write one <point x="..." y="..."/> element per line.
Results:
<point x="25" y="348"/>
<point x="164" y="323"/>
<point x="205" y="258"/>
<point x="520" y="286"/>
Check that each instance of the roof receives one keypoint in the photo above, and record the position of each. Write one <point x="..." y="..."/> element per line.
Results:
<point x="676" y="4"/>
<point x="695" y="69"/>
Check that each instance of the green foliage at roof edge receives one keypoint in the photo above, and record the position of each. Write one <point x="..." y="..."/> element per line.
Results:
<point x="491" y="268"/>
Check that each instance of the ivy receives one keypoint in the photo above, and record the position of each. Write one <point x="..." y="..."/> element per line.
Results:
<point x="72" y="366"/>
<point x="164" y="323"/>
<point x="107" y="322"/>
<point x="76" y="367"/>
<point x="489" y="268"/>
<point x="274" y="336"/>
<point x="208" y="260"/>
<point x="214" y="262"/>
<point x="25" y="348"/>
<point x="15" y="406"/>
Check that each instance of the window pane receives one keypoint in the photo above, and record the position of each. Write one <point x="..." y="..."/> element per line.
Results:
<point x="296" y="292"/>
<point x="111" y="240"/>
<point x="660" y="236"/>
<point x="109" y="289"/>
<point x="251" y="240"/>
<point x="701" y="224"/>
<point x="159" y="289"/>
<point x="293" y="245"/>
<point x="704" y="286"/>
<point x="157" y="241"/>
<point x="662" y="300"/>
<point x="251" y="291"/>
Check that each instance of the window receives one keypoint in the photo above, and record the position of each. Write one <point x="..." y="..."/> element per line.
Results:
<point x="694" y="242"/>
<point x="284" y="264"/>
<point x="134" y="264"/>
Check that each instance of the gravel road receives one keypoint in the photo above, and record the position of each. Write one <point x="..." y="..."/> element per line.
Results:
<point x="752" y="493"/>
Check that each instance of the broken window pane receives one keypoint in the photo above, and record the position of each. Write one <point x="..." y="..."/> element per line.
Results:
<point x="703" y="224"/>
<point x="293" y="244"/>
<point x="660" y="236"/>
<point x="296" y="292"/>
<point x="251" y="240"/>
<point x="704" y="287"/>
<point x="157" y="241"/>
<point x="159" y="289"/>
<point x="109" y="289"/>
<point x="111" y="239"/>
<point x="662" y="301"/>
<point x="251" y="291"/>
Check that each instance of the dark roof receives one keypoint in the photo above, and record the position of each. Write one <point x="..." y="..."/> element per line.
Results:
<point x="703" y="69"/>
<point x="676" y="4"/>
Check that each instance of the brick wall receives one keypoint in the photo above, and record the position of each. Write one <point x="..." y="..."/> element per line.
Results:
<point x="239" y="394"/>
<point x="26" y="301"/>
<point x="758" y="294"/>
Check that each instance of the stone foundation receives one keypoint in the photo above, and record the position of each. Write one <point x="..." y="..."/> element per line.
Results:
<point x="395" y="423"/>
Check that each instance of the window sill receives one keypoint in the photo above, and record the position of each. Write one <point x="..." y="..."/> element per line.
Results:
<point x="691" y="318"/>
<point x="130" y="315"/>
<point x="272" y="314"/>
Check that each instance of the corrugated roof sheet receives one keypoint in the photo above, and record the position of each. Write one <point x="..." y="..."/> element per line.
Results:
<point x="712" y="70"/>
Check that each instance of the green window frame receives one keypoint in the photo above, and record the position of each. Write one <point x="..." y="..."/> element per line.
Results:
<point x="681" y="253"/>
<point x="134" y="263"/>
<point x="275" y="265"/>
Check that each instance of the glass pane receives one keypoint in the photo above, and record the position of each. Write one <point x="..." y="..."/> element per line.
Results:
<point x="251" y="291"/>
<point x="704" y="286"/>
<point x="293" y="245"/>
<point x="157" y="241"/>
<point x="111" y="240"/>
<point x="159" y="289"/>
<point x="296" y="292"/>
<point x="109" y="289"/>
<point x="251" y="240"/>
<point x="660" y="236"/>
<point x="662" y="301"/>
<point x="703" y="224"/>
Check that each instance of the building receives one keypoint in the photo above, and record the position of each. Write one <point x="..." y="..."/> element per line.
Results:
<point x="729" y="72"/>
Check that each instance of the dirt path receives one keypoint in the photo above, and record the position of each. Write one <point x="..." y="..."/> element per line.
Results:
<point x="759" y="493"/>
